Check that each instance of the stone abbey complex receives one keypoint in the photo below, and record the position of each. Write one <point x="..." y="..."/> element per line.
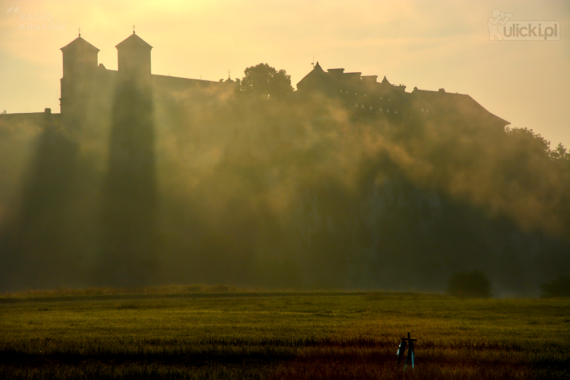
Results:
<point x="88" y="91"/>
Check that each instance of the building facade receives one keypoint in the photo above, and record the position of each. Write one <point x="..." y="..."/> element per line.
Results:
<point x="368" y="97"/>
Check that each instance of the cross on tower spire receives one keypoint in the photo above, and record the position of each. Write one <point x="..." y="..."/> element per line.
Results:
<point x="133" y="29"/>
<point x="79" y="31"/>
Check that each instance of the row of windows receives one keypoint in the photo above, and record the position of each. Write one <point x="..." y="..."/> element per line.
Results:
<point x="365" y="95"/>
<point x="387" y="109"/>
<point x="372" y="108"/>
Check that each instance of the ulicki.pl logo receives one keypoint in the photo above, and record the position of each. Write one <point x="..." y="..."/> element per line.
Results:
<point x="502" y="28"/>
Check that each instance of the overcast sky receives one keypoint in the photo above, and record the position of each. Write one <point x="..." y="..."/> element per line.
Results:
<point x="424" y="44"/>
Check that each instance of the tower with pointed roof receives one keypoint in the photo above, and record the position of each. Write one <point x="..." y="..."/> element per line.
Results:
<point x="79" y="68"/>
<point x="134" y="57"/>
<point x="79" y="58"/>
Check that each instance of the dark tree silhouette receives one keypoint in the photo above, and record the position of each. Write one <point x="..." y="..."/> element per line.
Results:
<point x="266" y="82"/>
<point x="556" y="288"/>
<point x="469" y="284"/>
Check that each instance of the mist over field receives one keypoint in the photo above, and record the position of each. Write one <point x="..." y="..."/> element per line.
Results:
<point x="291" y="193"/>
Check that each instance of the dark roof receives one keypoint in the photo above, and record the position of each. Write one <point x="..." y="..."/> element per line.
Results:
<point x="455" y="101"/>
<point x="182" y="83"/>
<point x="79" y="43"/>
<point x="317" y="74"/>
<point x="133" y="41"/>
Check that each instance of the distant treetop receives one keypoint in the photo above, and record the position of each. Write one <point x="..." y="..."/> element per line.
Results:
<point x="266" y="82"/>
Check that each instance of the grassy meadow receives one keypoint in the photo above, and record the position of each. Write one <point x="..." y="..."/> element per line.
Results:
<point x="221" y="332"/>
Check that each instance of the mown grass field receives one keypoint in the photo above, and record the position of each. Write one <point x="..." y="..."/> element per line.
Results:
<point x="222" y="333"/>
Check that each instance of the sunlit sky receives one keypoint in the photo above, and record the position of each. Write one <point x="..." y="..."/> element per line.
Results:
<point x="424" y="44"/>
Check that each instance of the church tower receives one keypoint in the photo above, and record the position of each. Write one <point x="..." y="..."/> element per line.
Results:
<point x="134" y="58"/>
<point x="79" y="69"/>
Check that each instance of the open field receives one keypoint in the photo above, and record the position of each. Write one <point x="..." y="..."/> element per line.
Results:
<point x="183" y="333"/>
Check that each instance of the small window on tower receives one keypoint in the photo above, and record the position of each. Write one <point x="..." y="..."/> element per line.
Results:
<point x="356" y="105"/>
